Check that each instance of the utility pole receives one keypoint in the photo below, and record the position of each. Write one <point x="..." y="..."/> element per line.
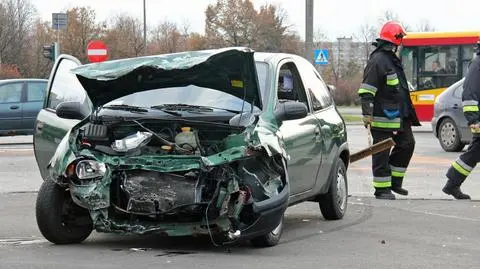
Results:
<point x="309" y="30"/>
<point x="144" y="28"/>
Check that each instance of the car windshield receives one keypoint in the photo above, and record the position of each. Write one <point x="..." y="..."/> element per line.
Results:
<point x="193" y="95"/>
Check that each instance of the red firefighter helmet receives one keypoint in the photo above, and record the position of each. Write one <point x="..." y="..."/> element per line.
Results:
<point x="392" y="32"/>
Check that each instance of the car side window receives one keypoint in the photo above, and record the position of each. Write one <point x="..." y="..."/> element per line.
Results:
<point x="11" y="93"/>
<point x="289" y="84"/>
<point x="457" y="93"/>
<point x="36" y="91"/>
<point x="65" y="85"/>
<point x="318" y="90"/>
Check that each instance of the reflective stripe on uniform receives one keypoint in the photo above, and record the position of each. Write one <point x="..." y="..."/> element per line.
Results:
<point x="470" y="109"/>
<point x="366" y="88"/>
<point x="470" y="103"/>
<point x="381" y="122"/>
<point x="470" y="106"/>
<point x="382" y="182"/>
<point x="460" y="169"/>
<point x="398" y="171"/>
<point x="392" y="80"/>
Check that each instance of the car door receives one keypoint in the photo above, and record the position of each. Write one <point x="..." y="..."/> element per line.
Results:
<point x="326" y="115"/>
<point x="11" y="106"/>
<point x="301" y="137"/>
<point x="33" y="103"/>
<point x="49" y="128"/>
<point x="454" y="105"/>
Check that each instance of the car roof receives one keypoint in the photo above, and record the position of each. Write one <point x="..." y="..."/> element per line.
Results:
<point x="272" y="56"/>
<point x="2" y="81"/>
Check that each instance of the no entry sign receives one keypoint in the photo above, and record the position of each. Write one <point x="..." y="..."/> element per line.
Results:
<point x="97" y="51"/>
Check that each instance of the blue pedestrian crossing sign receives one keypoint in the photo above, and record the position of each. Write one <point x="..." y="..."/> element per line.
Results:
<point x="321" y="56"/>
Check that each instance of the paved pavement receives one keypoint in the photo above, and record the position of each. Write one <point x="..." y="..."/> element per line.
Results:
<point x="374" y="234"/>
<point x="427" y="230"/>
<point x="16" y="139"/>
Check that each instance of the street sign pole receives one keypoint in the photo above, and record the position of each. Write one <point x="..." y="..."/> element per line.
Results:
<point x="57" y="50"/>
<point x="59" y="22"/>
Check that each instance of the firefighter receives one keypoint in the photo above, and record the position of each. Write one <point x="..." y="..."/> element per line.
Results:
<point x="464" y="164"/>
<point x="388" y="111"/>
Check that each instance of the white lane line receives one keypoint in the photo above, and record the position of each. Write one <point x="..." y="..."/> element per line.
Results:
<point x="423" y="212"/>
<point x="21" y="241"/>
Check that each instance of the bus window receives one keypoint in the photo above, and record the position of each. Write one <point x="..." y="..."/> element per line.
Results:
<point x="467" y="56"/>
<point x="410" y="66"/>
<point x="437" y="67"/>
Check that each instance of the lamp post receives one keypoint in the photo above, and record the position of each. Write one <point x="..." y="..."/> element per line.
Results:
<point x="309" y="30"/>
<point x="144" y="28"/>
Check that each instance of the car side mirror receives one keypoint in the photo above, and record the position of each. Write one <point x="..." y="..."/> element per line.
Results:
<point x="290" y="110"/>
<point x="72" y="110"/>
<point x="331" y="88"/>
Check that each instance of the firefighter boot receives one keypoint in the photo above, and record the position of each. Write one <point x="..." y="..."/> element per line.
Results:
<point x="384" y="194"/>
<point x="452" y="187"/>
<point x="397" y="186"/>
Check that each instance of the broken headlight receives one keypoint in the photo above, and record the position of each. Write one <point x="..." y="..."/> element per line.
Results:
<point x="132" y="141"/>
<point x="88" y="169"/>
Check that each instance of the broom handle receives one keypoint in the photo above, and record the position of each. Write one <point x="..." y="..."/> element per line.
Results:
<point x="369" y="135"/>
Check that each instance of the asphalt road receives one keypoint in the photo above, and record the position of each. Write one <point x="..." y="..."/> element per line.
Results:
<point x="428" y="230"/>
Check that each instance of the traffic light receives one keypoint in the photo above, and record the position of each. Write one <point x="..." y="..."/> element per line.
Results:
<point x="49" y="52"/>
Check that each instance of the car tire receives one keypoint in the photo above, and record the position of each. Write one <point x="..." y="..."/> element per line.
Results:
<point x="271" y="239"/>
<point x="333" y="204"/>
<point x="52" y="202"/>
<point x="449" y="136"/>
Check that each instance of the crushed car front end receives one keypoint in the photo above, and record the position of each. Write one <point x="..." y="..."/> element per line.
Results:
<point x="224" y="184"/>
<point x="172" y="175"/>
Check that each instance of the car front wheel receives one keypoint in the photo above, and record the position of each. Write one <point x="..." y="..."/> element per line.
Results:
<point x="333" y="204"/>
<point x="449" y="136"/>
<point x="59" y="219"/>
<point x="271" y="239"/>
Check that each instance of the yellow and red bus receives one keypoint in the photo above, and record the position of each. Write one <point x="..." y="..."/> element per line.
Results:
<point x="433" y="61"/>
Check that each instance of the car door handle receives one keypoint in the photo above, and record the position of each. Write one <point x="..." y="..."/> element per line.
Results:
<point x="455" y="106"/>
<point x="14" y="107"/>
<point x="39" y="126"/>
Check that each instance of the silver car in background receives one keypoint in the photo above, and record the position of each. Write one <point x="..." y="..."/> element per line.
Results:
<point x="449" y="124"/>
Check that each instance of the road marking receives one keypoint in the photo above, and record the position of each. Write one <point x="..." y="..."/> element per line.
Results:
<point x="422" y="212"/>
<point x="21" y="241"/>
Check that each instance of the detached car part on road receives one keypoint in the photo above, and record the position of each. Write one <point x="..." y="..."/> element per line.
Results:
<point x="216" y="143"/>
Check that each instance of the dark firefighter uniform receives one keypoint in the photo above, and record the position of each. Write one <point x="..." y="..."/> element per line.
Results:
<point x="385" y="98"/>
<point x="465" y="163"/>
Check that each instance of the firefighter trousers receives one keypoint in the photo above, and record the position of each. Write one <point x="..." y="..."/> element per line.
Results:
<point x="465" y="163"/>
<point x="389" y="166"/>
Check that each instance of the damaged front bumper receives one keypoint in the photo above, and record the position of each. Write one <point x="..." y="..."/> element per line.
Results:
<point x="163" y="194"/>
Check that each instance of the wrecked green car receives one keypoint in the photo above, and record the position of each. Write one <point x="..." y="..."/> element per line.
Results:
<point x="216" y="143"/>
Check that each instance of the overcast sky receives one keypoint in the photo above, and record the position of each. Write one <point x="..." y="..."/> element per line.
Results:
<point x="335" y="17"/>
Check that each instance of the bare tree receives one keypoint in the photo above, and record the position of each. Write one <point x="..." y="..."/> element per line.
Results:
<point x="367" y="33"/>
<point x="231" y="23"/>
<point x="81" y="28"/>
<point x="125" y="36"/>
<point x="425" y="26"/>
<point x="166" y="38"/>
<point x="16" y="21"/>
<point x="390" y="15"/>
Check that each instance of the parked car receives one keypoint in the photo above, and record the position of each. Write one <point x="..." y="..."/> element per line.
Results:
<point x="215" y="142"/>
<point x="449" y="123"/>
<point x="20" y="102"/>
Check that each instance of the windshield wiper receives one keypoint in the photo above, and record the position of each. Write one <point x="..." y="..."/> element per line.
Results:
<point x="166" y="111"/>
<point x="191" y="108"/>
<point x="127" y="108"/>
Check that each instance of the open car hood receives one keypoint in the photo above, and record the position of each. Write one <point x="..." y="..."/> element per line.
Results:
<point x="230" y="70"/>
